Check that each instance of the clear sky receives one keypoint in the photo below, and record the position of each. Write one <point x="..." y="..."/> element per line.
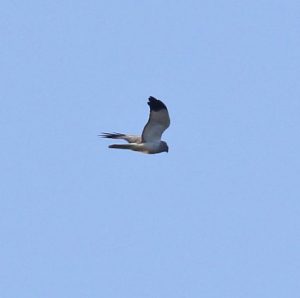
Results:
<point x="217" y="216"/>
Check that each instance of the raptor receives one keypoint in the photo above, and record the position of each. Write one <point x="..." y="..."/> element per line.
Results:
<point x="150" y="141"/>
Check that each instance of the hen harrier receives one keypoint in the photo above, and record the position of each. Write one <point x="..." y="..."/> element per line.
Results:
<point x="150" y="141"/>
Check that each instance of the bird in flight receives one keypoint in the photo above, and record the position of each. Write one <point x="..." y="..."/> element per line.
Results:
<point x="150" y="141"/>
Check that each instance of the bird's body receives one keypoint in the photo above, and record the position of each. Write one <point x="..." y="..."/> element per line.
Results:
<point x="150" y="141"/>
<point x="149" y="148"/>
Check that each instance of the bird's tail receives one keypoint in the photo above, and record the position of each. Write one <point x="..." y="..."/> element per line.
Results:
<point x="114" y="135"/>
<point x="128" y="138"/>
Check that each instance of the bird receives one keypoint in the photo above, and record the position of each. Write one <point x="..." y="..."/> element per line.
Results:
<point x="150" y="141"/>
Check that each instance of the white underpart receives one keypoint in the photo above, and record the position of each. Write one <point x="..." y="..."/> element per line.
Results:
<point x="145" y="147"/>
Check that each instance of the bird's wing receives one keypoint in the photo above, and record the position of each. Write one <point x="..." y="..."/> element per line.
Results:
<point x="158" y="122"/>
<point x="128" y="138"/>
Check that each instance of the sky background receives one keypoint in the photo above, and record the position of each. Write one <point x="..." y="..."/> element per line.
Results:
<point x="218" y="216"/>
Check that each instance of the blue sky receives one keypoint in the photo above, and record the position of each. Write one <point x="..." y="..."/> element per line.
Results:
<point x="218" y="216"/>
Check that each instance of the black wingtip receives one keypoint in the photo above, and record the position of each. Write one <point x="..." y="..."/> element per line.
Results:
<point x="156" y="104"/>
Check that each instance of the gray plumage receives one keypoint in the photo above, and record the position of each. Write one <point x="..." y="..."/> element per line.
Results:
<point x="150" y="141"/>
